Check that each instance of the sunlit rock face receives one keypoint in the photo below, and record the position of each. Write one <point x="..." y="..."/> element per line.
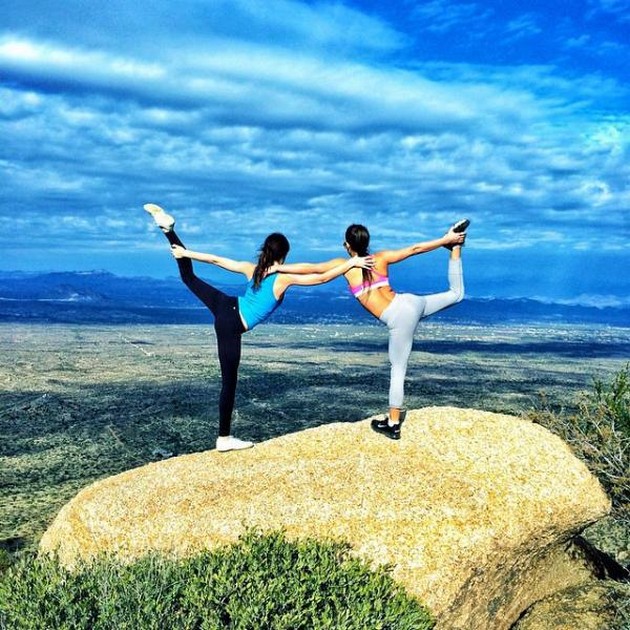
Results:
<point x="472" y="509"/>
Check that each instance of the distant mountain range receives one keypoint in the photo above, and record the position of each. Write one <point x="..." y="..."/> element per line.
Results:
<point x="103" y="298"/>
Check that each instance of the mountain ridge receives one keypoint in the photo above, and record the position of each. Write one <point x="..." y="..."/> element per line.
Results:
<point x="103" y="297"/>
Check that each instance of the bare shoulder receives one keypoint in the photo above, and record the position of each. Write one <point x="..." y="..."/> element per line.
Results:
<point x="281" y="283"/>
<point x="389" y="256"/>
<point x="383" y="257"/>
<point x="247" y="269"/>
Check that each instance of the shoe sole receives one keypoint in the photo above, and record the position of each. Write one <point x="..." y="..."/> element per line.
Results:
<point x="153" y="208"/>
<point x="158" y="213"/>
<point x="461" y="226"/>
<point x="234" y="448"/>
<point x="386" y="433"/>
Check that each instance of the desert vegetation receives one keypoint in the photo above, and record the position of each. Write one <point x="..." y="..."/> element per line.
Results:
<point x="599" y="433"/>
<point x="82" y="402"/>
<point x="259" y="582"/>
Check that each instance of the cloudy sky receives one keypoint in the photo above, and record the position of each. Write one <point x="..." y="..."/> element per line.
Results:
<point x="249" y="116"/>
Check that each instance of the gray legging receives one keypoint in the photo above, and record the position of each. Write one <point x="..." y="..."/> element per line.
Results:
<point x="402" y="317"/>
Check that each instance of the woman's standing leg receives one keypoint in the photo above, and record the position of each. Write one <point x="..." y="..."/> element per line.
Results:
<point x="402" y="318"/>
<point x="399" y="351"/>
<point x="229" y="332"/>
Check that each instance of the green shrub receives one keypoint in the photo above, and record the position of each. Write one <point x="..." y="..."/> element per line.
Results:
<point x="6" y="560"/>
<point x="260" y="582"/>
<point x="619" y="598"/>
<point x="599" y="434"/>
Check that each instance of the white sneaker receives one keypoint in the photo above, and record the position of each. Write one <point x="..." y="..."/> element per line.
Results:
<point x="164" y="221"/>
<point x="230" y="443"/>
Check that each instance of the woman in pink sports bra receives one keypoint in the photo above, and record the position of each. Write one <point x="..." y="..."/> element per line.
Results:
<point x="401" y="312"/>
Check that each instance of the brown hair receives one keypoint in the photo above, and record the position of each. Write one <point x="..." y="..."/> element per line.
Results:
<point x="358" y="237"/>
<point x="274" y="249"/>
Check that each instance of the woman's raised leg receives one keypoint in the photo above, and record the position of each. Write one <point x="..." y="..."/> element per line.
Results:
<point x="439" y="301"/>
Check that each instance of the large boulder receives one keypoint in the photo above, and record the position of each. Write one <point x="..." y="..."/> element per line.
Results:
<point x="472" y="509"/>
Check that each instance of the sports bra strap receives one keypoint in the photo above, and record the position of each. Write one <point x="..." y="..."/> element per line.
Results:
<point x="378" y="280"/>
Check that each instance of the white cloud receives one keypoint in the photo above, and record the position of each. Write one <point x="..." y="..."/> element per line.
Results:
<point x="302" y="134"/>
<point x="619" y="9"/>
<point x="443" y="16"/>
<point x="582" y="41"/>
<point x="524" y="26"/>
<point x="264" y="87"/>
<point x="50" y="59"/>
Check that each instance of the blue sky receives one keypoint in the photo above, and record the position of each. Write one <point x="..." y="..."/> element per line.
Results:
<point x="245" y="117"/>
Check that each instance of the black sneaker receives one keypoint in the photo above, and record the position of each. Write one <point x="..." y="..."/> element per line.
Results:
<point x="460" y="226"/>
<point x="382" y="426"/>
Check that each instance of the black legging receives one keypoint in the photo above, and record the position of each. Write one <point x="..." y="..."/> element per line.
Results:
<point x="229" y="328"/>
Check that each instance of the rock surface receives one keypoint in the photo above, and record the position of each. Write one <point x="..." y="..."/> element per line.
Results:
<point x="473" y="509"/>
<point x="589" y="606"/>
<point x="612" y="536"/>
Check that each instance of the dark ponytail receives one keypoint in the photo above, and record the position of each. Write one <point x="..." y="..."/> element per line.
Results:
<point x="358" y="238"/>
<point x="274" y="249"/>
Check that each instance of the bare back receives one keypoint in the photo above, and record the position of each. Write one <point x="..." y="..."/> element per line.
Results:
<point x="376" y="300"/>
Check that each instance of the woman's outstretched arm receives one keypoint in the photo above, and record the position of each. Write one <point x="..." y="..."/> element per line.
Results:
<point x="238" y="266"/>
<point x="285" y="280"/>
<point x="303" y="267"/>
<point x="396" y="255"/>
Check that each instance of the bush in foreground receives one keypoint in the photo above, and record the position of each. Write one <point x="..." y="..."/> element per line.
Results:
<point x="599" y="434"/>
<point x="262" y="581"/>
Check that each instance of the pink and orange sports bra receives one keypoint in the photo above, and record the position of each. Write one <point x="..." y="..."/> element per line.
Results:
<point x="365" y="287"/>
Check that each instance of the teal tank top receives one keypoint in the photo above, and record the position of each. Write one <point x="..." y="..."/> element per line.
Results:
<point x="257" y="304"/>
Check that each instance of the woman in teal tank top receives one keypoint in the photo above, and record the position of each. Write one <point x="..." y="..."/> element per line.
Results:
<point x="235" y="315"/>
